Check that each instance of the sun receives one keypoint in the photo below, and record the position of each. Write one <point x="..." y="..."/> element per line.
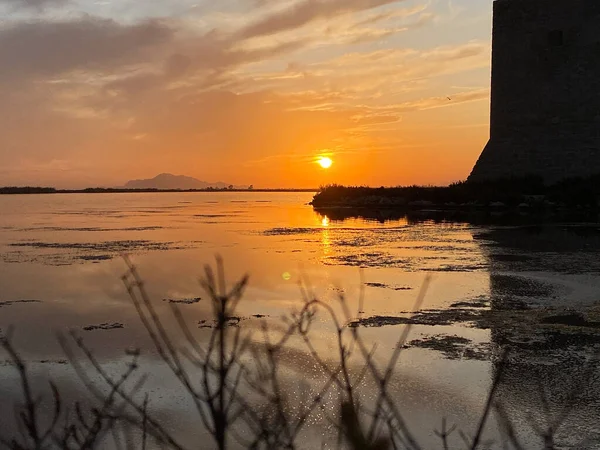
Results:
<point x="325" y="162"/>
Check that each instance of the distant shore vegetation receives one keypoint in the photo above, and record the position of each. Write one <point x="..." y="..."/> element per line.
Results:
<point x="50" y="190"/>
<point x="504" y="193"/>
<point x="26" y="190"/>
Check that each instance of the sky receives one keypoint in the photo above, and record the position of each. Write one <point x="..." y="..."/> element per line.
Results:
<point x="98" y="92"/>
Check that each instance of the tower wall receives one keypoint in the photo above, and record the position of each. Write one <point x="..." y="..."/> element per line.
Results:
<point x="545" y="96"/>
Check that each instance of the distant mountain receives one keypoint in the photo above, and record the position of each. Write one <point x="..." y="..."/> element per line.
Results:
<point x="170" y="181"/>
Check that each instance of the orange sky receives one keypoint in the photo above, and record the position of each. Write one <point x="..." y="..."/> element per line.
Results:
<point x="243" y="91"/>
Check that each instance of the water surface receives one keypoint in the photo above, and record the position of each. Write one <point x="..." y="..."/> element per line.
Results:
<point x="61" y="267"/>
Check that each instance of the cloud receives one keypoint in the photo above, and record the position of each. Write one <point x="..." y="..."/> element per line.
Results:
<point x="208" y="68"/>
<point x="435" y="102"/>
<point x="450" y="100"/>
<point x="306" y="11"/>
<point x="34" y="4"/>
<point x="360" y="34"/>
<point x="369" y="77"/>
<point x="47" y="48"/>
<point x="391" y="14"/>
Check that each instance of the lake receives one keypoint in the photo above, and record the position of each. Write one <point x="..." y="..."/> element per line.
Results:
<point x="533" y="289"/>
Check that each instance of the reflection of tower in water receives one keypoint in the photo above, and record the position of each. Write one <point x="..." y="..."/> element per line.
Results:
<point x="532" y="268"/>
<point x="548" y="364"/>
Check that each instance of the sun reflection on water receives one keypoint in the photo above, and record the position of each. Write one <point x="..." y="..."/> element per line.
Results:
<point x="325" y="240"/>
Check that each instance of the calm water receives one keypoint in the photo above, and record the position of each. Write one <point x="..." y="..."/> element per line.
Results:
<point x="491" y="287"/>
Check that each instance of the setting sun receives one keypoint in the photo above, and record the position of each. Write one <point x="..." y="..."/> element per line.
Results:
<point x="325" y="162"/>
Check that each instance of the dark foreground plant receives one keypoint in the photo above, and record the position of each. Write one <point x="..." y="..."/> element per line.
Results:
<point x="238" y="388"/>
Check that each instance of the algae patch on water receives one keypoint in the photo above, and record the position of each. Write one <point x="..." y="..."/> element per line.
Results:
<point x="453" y="347"/>
<point x="387" y="286"/>
<point x="104" y="326"/>
<point x="14" y="302"/>
<point x="290" y="231"/>
<point x="66" y="253"/>
<point x="183" y="301"/>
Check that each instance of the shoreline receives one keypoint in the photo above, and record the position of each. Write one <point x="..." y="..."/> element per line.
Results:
<point x="474" y="215"/>
<point x="516" y="195"/>
<point x="48" y="191"/>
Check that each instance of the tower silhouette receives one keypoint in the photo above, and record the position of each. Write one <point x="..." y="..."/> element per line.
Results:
<point x="545" y="96"/>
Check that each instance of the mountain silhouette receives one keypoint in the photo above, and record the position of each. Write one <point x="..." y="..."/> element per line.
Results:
<point x="170" y="181"/>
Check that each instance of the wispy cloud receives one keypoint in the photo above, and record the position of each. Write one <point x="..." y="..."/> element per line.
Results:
<point x="307" y="11"/>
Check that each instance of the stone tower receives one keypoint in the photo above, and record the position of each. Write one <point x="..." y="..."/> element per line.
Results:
<point x="545" y="108"/>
